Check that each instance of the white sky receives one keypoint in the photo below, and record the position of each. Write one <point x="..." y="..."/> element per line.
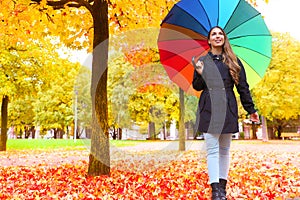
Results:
<point x="282" y="16"/>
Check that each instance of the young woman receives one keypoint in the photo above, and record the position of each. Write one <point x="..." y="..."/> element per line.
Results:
<point x="217" y="116"/>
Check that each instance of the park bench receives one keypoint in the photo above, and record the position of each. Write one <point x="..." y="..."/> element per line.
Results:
<point x="290" y="135"/>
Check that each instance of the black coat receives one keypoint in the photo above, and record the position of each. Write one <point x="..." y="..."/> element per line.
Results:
<point x="217" y="108"/>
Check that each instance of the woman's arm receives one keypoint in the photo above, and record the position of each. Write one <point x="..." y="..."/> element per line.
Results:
<point x="243" y="90"/>
<point x="198" y="81"/>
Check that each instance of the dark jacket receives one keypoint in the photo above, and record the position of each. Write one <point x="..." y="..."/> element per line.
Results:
<point x="217" y="108"/>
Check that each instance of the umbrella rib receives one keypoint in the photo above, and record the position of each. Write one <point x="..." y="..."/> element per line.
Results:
<point x="205" y="14"/>
<point x="237" y="5"/>
<point x="193" y="17"/>
<point x="247" y="47"/>
<point x="252" y="50"/>
<point x="243" y="23"/>
<point x="250" y="35"/>
<point x="180" y="53"/>
<point x="237" y="37"/>
<point x="218" y="12"/>
<point x="249" y="65"/>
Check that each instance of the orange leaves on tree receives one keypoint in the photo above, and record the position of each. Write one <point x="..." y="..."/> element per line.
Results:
<point x="139" y="56"/>
<point x="154" y="88"/>
<point x="150" y="87"/>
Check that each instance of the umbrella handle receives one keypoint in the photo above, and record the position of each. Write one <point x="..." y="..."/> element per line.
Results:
<point x="194" y="64"/>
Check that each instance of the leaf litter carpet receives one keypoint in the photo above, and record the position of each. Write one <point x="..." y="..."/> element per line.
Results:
<point x="152" y="171"/>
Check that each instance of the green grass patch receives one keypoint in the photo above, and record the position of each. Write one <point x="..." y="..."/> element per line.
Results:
<point x="68" y="144"/>
<point x="33" y="144"/>
<point x="126" y="143"/>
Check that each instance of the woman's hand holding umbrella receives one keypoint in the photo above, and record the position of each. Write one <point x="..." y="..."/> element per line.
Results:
<point x="254" y="117"/>
<point x="198" y="66"/>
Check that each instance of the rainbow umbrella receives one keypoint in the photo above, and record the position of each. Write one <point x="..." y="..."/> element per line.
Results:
<point x="184" y="31"/>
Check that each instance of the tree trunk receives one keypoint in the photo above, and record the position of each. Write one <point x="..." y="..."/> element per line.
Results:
<point x="4" y="114"/>
<point x="32" y="130"/>
<point x="26" y="132"/>
<point x="279" y="129"/>
<point x="264" y="129"/>
<point x="181" y="121"/>
<point x="55" y="133"/>
<point x="114" y="134"/>
<point x="151" y="130"/>
<point x="254" y="129"/>
<point x="120" y="133"/>
<point x="99" y="158"/>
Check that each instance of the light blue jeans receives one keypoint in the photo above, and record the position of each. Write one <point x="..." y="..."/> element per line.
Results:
<point x="218" y="156"/>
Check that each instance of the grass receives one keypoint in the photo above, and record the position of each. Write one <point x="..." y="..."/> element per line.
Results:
<point x="33" y="144"/>
<point x="84" y="144"/>
<point x="67" y="144"/>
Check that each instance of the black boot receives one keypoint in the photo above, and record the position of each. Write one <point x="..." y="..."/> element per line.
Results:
<point x="222" y="184"/>
<point x="215" y="191"/>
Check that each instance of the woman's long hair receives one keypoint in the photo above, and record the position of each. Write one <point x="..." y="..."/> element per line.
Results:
<point x="229" y="57"/>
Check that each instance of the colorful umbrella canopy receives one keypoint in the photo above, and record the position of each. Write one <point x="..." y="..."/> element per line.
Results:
<point x="184" y="31"/>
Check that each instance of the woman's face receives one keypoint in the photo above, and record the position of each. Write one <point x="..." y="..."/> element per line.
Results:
<point x="216" y="38"/>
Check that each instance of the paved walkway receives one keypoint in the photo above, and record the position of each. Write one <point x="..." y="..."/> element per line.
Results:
<point x="285" y="150"/>
<point x="245" y="145"/>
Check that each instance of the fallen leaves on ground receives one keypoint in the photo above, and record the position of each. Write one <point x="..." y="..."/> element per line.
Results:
<point x="149" y="175"/>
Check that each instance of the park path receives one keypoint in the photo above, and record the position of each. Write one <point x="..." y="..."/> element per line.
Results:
<point x="270" y="152"/>
<point x="243" y="145"/>
<point x="284" y="149"/>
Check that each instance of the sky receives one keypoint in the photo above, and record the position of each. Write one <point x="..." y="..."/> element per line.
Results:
<point x="281" y="16"/>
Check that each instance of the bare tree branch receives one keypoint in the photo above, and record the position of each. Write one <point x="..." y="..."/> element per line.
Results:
<point x="70" y="3"/>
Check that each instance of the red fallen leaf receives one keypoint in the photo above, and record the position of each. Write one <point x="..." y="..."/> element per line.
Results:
<point x="271" y="195"/>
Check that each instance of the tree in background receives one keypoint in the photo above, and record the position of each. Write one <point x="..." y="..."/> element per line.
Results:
<point x="120" y="88"/>
<point x="84" y="101"/>
<point x="277" y="94"/>
<point x="26" y="52"/>
<point x="54" y="106"/>
<point x="20" y="76"/>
